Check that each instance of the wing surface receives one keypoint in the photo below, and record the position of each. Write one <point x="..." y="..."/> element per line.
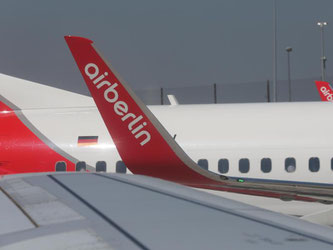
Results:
<point x="114" y="211"/>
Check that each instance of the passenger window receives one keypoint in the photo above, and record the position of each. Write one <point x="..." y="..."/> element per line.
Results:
<point x="223" y="166"/>
<point x="60" y="166"/>
<point x="101" y="166"/>
<point x="314" y="164"/>
<point x="290" y="165"/>
<point x="81" y="166"/>
<point x="266" y="165"/>
<point x="120" y="167"/>
<point x="203" y="163"/>
<point x="244" y="165"/>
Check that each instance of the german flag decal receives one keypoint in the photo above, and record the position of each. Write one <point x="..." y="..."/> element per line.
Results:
<point x="87" y="140"/>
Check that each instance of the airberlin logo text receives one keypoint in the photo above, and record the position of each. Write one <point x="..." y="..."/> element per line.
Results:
<point x="119" y="107"/>
<point x="327" y="93"/>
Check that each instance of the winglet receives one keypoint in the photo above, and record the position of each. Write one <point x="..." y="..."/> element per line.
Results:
<point x="142" y="142"/>
<point x="325" y="91"/>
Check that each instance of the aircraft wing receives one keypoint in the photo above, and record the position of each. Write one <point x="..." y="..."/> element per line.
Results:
<point x="115" y="211"/>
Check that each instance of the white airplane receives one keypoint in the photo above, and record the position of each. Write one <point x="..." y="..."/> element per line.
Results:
<point x="263" y="149"/>
<point x="147" y="148"/>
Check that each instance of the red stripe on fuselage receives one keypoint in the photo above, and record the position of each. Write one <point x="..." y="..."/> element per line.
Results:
<point x="21" y="151"/>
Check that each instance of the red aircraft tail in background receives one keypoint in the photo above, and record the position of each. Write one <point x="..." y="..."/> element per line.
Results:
<point x="325" y="91"/>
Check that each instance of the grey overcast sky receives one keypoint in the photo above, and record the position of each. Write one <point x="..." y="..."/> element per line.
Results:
<point x="165" y="43"/>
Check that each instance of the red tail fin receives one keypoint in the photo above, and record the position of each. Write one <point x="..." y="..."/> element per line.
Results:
<point x="142" y="142"/>
<point x="325" y="91"/>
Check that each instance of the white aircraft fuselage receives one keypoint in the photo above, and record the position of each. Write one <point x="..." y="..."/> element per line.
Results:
<point x="273" y="131"/>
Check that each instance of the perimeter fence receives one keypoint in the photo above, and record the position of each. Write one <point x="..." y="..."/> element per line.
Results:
<point x="261" y="91"/>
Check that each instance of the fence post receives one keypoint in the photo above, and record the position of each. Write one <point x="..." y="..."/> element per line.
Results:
<point x="215" y="96"/>
<point x="162" y="100"/>
<point x="268" y="92"/>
